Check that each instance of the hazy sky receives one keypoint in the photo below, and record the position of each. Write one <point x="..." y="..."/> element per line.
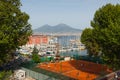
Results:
<point x="76" y="13"/>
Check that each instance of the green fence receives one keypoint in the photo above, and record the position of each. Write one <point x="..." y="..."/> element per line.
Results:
<point x="46" y="59"/>
<point x="37" y="76"/>
<point x="88" y="58"/>
<point x="41" y="74"/>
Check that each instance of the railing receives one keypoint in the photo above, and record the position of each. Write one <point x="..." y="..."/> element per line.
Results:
<point x="44" y="75"/>
<point x="36" y="75"/>
<point x="112" y="76"/>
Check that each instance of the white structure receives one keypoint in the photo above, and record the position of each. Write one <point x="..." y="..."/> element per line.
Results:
<point x="67" y="58"/>
<point x="19" y="75"/>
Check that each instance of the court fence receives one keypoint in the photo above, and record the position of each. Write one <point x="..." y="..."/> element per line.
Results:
<point x="89" y="58"/>
<point x="41" y="74"/>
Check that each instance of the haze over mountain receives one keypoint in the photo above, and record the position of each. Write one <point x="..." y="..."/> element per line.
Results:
<point x="60" y="28"/>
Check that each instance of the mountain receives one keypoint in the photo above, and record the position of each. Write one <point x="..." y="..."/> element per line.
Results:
<point x="60" y="28"/>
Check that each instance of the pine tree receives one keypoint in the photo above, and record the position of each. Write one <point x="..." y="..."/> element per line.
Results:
<point x="14" y="28"/>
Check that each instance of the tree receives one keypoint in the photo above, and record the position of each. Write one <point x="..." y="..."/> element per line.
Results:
<point x="106" y="32"/>
<point x="87" y="38"/>
<point x="35" y="50"/>
<point x="35" y="56"/>
<point x="14" y="28"/>
<point x="5" y="75"/>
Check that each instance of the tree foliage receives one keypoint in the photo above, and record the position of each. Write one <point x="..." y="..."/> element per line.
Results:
<point x="14" y="28"/>
<point x="35" y="56"/>
<point x="5" y="75"/>
<point x="87" y="38"/>
<point x="35" y="50"/>
<point x="106" y="31"/>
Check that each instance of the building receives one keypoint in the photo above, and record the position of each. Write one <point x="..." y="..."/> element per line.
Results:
<point x="36" y="40"/>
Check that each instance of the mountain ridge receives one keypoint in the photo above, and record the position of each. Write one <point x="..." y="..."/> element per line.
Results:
<point x="59" y="28"/>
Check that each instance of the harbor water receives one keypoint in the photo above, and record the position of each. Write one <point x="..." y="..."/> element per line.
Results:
<point x="75" y="52"/>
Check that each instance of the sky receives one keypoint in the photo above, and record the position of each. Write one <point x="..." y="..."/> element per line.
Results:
<point x="75" y="13"/>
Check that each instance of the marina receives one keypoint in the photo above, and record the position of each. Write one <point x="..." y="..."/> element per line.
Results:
<point x="63" y="44"/>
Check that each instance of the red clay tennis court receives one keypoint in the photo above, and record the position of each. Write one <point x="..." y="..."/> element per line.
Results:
<point x="77" y="69"/>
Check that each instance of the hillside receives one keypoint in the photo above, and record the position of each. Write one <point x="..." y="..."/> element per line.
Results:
<point x="60" y="28"/>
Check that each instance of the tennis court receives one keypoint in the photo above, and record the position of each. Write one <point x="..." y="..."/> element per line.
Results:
<point x="77" y="69"/>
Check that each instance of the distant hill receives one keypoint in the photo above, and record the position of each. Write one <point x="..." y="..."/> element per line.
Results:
<point x="60" y="28"/>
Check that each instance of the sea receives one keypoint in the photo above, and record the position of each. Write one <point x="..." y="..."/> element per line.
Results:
<point x="74" y="52"/>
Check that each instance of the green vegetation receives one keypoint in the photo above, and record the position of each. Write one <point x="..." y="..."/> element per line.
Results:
<point x="35" y="56"/>
<point x="5" y="75"/>
<point x="35" y="50"/>
<point x="103" y="38"/>
<point x="14" y="28"/>
<point x="88" y="39"/>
